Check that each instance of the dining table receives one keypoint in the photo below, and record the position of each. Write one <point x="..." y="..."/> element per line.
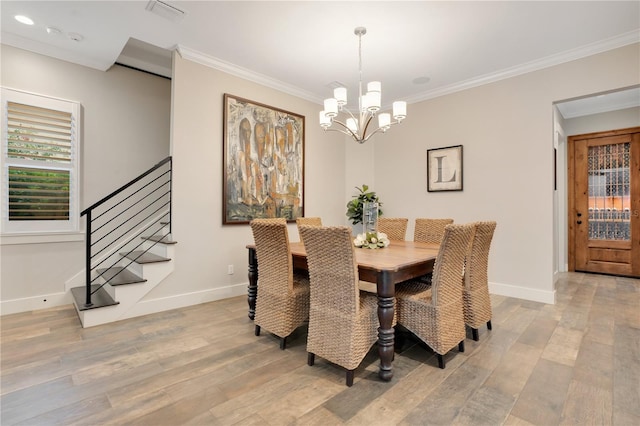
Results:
<point x="399" y="261"/>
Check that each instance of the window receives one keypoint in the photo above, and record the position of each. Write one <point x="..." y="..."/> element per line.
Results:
<point x="40" y="164"/>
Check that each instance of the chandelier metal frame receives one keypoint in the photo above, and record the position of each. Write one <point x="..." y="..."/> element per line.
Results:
<point x="368" y="106"/>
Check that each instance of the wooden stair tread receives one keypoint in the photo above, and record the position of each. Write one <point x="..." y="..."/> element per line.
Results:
<point x="99" y="299"/>
<point x="144" y="257"/>
<point x="160" y="239"/>
<point x="119" y="276"/>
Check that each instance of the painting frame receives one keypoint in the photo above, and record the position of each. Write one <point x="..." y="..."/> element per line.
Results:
<point x="444" y="169"/>
<point x="263" y="162"/>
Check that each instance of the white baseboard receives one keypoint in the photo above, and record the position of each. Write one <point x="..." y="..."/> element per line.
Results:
<point x="145" y="307"/>
<point x="45" y="301"/>
<point x="526" y="293"/>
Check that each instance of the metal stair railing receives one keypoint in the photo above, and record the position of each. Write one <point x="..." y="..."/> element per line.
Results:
<point x="138" y="209"/>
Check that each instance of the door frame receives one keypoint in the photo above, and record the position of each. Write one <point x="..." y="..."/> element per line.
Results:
<point x="571" y="207"/>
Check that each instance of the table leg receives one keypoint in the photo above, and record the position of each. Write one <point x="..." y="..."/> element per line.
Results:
<point x="386" y="333"/>
<point x="252" y="290"/>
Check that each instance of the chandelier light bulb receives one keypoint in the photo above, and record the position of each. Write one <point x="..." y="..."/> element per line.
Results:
<point x="374" y="86"/>
<point x="331" y="107"/>
<point x="352" y="124"/>
<point x="325" y="121"/>
<point x="374" y="99"/>
<point x="399" y="110"/>
<point x="384" y="121"/>
<point x="340" y="93"/>
<point x="365" y="102"/>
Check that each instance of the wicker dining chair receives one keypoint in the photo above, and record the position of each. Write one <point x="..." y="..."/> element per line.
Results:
<point x="475" y="296"/>
<point x="434" y="313"/>
<point x="343" y="321"/>
<point x="309" y="221"/>
<point x="394" y="227"/>
<point x="282" y="302"/>
<point x="430" y="230"/>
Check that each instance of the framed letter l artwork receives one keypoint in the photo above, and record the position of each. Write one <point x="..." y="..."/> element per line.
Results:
<point x="444" y="169"/>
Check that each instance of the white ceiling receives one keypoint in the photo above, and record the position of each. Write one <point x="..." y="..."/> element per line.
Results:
<point x="303" y="47"/>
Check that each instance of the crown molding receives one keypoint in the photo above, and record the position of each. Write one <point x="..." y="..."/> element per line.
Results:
<point x="247" y="74"/>
<point x="549" y="61"/>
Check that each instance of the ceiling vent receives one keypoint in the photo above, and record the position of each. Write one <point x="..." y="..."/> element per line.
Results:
<point x="165" y="10"/>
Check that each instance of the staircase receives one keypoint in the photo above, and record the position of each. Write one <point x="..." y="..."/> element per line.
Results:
<point x="129" y="247"/>
<point x="119" y="288"/>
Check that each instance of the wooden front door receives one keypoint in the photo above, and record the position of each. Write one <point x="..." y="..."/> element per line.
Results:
<point x="604" y="202"/>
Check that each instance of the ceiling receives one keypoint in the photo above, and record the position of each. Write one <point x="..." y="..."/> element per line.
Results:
<point x="600" y="103"/>
<point x="417" y="49"/>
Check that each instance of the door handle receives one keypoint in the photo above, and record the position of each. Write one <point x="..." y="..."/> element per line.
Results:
<point x="579" y="222"/>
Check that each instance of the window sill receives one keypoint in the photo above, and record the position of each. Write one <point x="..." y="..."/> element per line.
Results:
<point x="13" y="239"/>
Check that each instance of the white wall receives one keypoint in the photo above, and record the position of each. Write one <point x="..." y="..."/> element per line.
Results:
<point x="206" y="247"/>
<point x="125" y="123"/>
<point x="506" y="129"/>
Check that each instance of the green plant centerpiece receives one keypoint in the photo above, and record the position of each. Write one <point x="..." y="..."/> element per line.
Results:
<point x="354" y="207"/>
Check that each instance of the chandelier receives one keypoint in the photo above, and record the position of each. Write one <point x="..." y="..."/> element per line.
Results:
<point x="368" y="106"/>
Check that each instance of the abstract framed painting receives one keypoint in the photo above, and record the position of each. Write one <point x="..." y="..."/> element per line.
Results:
<point x="263" y="156"/>
<point x="444" y="169"/>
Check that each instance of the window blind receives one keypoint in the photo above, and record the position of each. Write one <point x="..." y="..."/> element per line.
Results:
<point x="38" y="133"/>
<point x="40" y="167"/>
<point x="38" y="194"/>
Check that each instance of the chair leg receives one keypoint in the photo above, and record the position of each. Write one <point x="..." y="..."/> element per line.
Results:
<point x="283" y="343"/>
<point x="461" y="346"/>
<point x="257" y="330"/>
<point x="311" y="358"/>
<point x="440" y="361"/>
<point x="489" y="324"/>
<point x="350" y="378"/>
<point x="474" y="333"/>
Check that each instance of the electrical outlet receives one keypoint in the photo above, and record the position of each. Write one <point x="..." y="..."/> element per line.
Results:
<point x="230" y="269"/>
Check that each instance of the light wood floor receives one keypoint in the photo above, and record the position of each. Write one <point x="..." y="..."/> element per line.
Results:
<point x="576" y="362"/>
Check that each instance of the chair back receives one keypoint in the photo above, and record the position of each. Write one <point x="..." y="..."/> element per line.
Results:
<point x="430" y="230"/>
<point x="394" y="227"/>
<point x="446" y="284"/>
<point x="333" y="272"/>
<point x="309" y="221"/>
<point x="477" y="263"/>
<point x="273" y="253"/>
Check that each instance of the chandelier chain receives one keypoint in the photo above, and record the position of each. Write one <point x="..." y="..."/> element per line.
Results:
<point x="360" y="72"/>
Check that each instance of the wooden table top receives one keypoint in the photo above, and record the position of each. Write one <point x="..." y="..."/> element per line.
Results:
<point x="399" y="254"/>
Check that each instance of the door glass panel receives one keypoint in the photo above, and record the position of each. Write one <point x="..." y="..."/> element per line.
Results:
<point x="609" y="192"/>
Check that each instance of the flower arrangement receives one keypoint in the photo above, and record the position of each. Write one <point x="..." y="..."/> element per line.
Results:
<point x="354" y="207"/>
<point x="371" y="240"/>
